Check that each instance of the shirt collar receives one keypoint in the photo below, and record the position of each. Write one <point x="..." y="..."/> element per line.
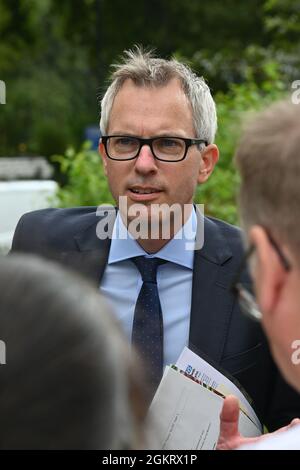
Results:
<point x="123" y="246"/>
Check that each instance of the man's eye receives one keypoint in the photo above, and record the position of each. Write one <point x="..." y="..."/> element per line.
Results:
<point x="168" y="143"/>
<point x="125" y="141"/>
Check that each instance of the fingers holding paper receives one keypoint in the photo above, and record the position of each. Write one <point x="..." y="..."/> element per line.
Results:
<point x="230" y="437"/>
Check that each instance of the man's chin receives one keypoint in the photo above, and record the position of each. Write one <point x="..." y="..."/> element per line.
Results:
<point x="148" y="220"/>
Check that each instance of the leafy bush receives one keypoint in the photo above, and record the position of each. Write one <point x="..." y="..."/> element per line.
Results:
<point x="86" y="183"/>
<point x="234" y="108"/>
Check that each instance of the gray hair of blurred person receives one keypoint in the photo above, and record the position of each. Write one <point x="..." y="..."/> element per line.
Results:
<point x="70" y="380"/>
<point x="144" y="69"/>
<point x="268" y="159"/>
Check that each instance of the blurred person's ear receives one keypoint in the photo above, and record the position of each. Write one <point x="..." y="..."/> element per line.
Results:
<point x="102" y="152"/>
<point x="268" y="273"/>
<point x="210" y="156"/>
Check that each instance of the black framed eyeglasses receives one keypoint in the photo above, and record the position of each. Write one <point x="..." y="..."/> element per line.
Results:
<point x="165" y="148"/>
<point x="246" y="298"/>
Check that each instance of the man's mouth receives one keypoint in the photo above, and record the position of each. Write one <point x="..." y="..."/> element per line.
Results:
<point x="144" y="191"/>
<point x="144" y="194"/>
<point x="139" y="190"/>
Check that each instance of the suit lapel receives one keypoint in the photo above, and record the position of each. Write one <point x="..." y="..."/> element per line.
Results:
<point x="211" y="303"/>
<point x="93" y="245"/>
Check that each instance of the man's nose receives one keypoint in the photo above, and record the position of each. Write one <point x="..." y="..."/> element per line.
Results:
<point x="145" y="161"/>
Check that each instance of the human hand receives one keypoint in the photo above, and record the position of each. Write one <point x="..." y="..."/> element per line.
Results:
<point x="229" y="437"/>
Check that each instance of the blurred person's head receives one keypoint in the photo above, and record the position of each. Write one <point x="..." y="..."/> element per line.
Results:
<point x="151" y="97"/>
<point x="70" y="380"/>
<point x="268" y="159"/>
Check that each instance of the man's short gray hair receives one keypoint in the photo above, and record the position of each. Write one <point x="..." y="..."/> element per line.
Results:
<point x="268" y="159"/>
<point x="144" y="69"/>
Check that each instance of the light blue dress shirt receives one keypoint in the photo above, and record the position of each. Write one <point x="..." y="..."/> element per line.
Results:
<point x="121" y="283"/>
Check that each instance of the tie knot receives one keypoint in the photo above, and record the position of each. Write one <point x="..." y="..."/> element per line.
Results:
<point x="147" y="267"/>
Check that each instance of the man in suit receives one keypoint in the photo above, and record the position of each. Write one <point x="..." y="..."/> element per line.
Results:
<point x="158" y="122"/>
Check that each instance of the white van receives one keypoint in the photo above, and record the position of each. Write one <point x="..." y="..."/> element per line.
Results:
<point x="17" y="198"/>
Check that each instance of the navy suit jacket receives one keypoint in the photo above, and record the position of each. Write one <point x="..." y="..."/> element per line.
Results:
<point x="219" y="332"/>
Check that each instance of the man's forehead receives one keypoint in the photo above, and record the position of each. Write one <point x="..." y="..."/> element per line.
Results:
<point x="130" y="85"/>
<point x="140" y="82"/>
<point x="132" y="98"/>
<point x="148" y="111"/>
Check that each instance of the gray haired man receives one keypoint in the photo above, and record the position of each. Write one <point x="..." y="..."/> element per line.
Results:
<point x="158" y="122"/>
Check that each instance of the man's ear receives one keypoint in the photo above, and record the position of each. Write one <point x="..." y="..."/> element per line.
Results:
<point x="209" y="156"/>
<point x="269" y="274"/>
<point x="102" y="152"/>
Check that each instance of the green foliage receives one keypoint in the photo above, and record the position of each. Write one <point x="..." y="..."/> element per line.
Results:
<point x="38" y="129"/>
<point x="51" y="94"/>
<point x="234" y="108"/>
<point x="55" y="56"/>
<point x="86" y="182"/>
<point x="282" y="18"/>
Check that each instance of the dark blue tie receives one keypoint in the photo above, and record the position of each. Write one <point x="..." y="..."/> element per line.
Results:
<point x="147" y="331"/>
